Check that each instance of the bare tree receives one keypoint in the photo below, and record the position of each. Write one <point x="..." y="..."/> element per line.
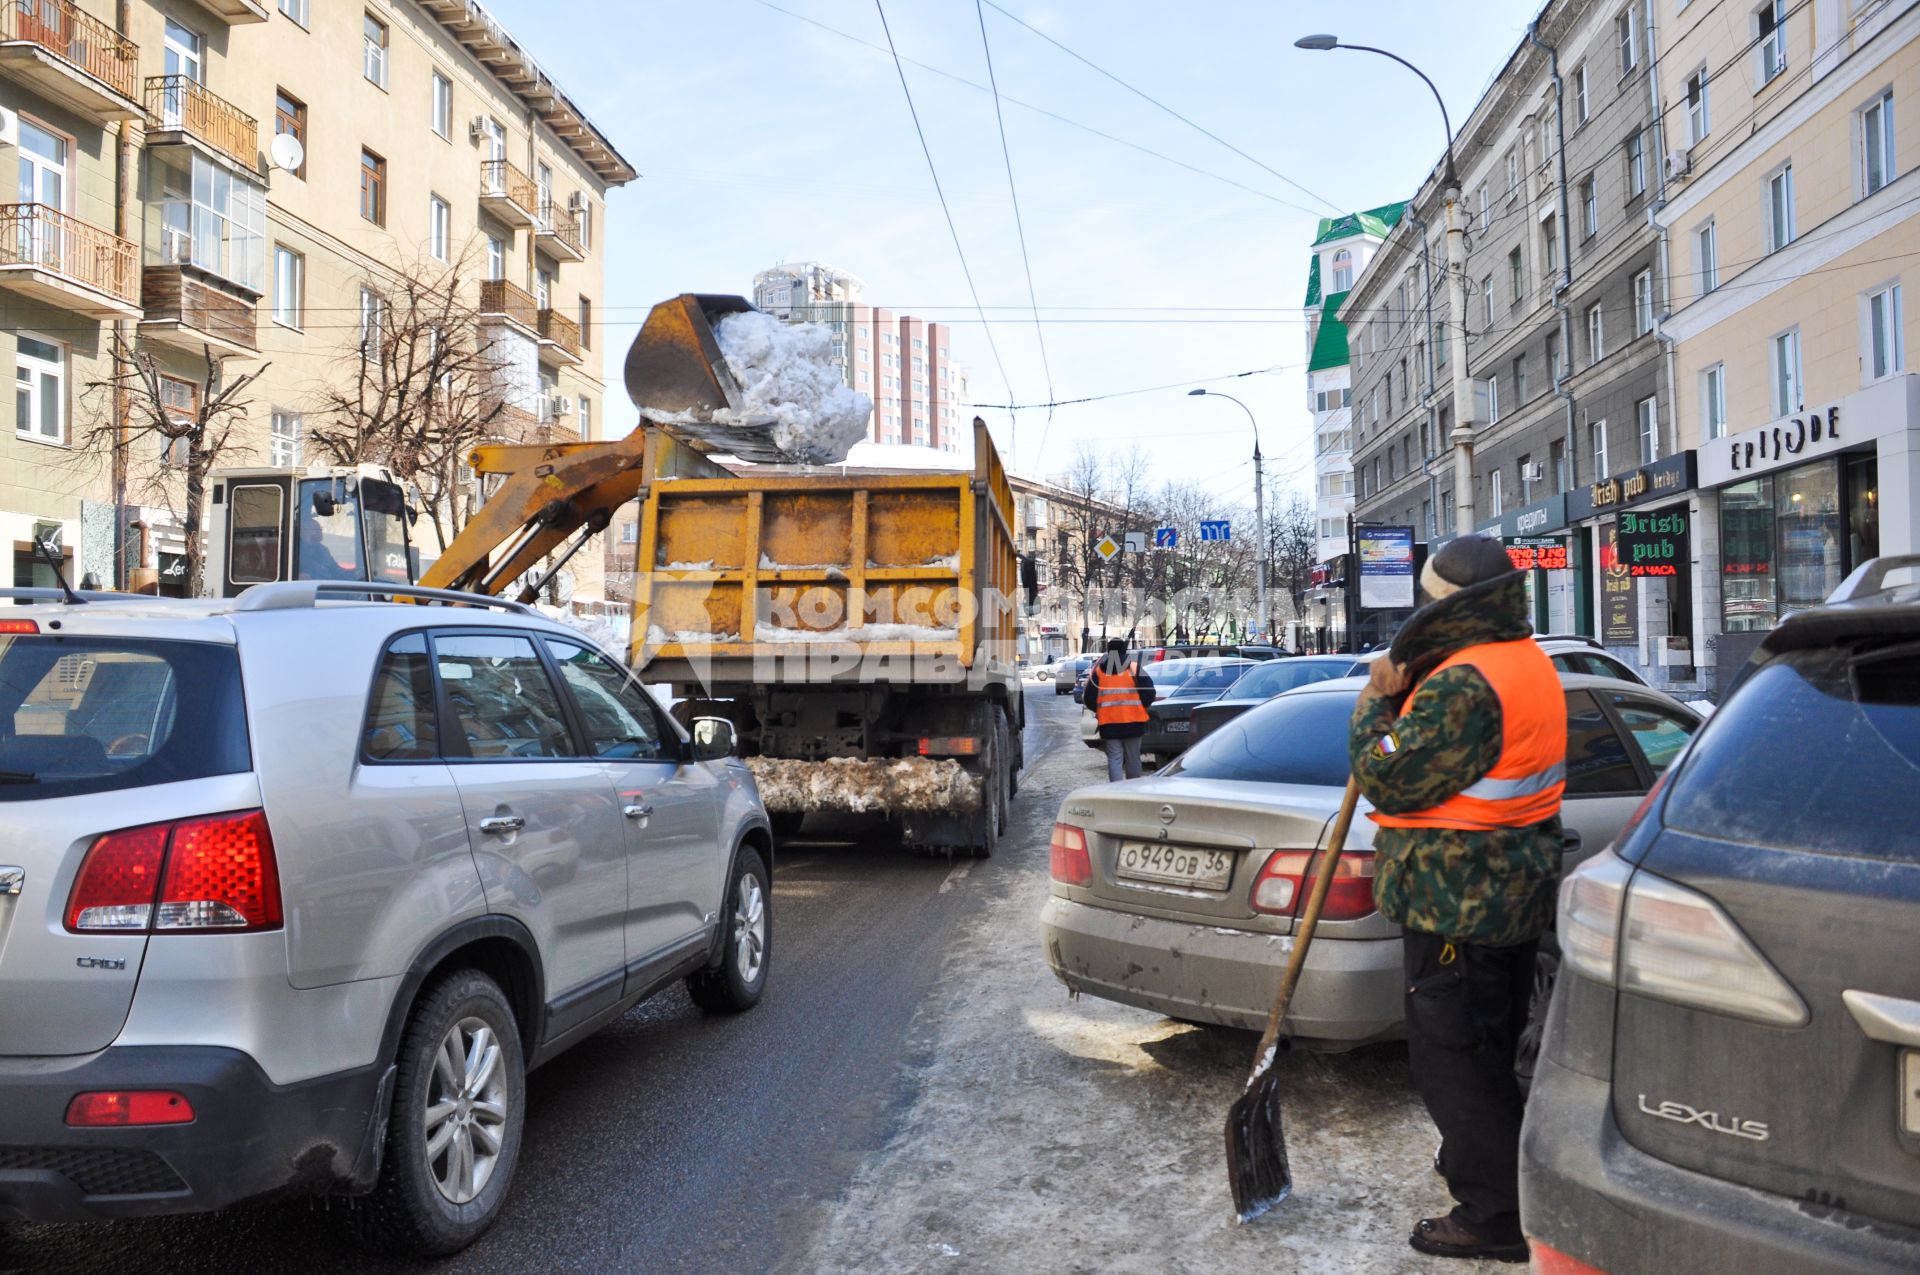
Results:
<point x="423" y="388"/>
<point x="1294" y="548"/>
<point x="191" y="420"/>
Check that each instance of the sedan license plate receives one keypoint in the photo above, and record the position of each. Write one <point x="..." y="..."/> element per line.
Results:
<point x="1179" y="728"/>
<point x="1174" y="865"/>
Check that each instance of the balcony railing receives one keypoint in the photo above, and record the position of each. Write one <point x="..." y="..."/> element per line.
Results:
<point x="76" y="38"/>
<point x="178" y="103"/>
<point x="560" y="224"/>
<point x="558" y="329"/>
<point x="501" y="299"/>
<point x="44" y="238"/>
<point x="499" y="179"/>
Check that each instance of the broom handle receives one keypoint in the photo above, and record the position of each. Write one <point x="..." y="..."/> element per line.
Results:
<point x="1322" y="882"/>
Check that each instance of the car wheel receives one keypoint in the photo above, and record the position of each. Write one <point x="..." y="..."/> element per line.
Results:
<point x="453" y="1139"/>
<point x="740" y="979"/>
<point x="1546" y="969"/>
<point x="786" y="823"/>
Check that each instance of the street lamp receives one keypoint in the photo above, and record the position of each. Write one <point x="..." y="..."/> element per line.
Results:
<point x="1463" y="405"/>
<point x="1259" y="503"/>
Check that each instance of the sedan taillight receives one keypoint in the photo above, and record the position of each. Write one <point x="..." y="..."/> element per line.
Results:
<point x="1281" y="887"/>
<point x="212" y="873"/>
<point x="1067" y="858"/>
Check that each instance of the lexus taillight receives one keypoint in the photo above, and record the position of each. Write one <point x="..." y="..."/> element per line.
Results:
<point x="212" y="873"/>
<point x="115" y="1107"/>
<point x="1067" y="856"/>
<point x="1281" y="887"/>
<point x="1548" y="1260"/>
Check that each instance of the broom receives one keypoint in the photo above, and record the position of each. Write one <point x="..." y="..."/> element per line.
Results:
<point x="1256" y="1142"/>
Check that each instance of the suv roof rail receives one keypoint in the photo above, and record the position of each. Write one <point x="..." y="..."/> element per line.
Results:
<point x="1871" y="576"/>
<point x="1585" y="638"/>
<point x="288" y="594"/>
<point x="44" y="594"/>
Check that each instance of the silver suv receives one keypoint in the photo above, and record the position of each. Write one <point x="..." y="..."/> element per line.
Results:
<point x="295" y="887"/>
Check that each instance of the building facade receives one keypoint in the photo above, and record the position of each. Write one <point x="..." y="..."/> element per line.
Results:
<point x="151" y="215"/>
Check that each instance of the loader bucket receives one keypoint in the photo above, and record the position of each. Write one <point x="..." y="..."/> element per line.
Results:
<point x="675" y="369"/>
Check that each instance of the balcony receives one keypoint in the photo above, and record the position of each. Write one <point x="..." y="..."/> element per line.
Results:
<point x="502" y="301"/>
<point x="70" y="57"/>
<point x="508" y="193"/>
<point x="558" y="233"/>
<point x="235" y="12"/>
<point x="182" y="112"/>
<point x="559" y="339"/>
<point x="189" y="309"/>
<point x="62" y="261"/>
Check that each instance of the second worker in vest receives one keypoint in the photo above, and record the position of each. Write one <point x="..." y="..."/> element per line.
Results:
<point x="1460" y="743"/>
<point x="1120" y="695"/>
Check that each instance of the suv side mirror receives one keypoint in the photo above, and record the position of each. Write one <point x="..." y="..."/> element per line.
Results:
<point x="713" y="738"/>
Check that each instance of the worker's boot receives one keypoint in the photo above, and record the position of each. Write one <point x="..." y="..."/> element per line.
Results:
<point x="1449" y="1236"/>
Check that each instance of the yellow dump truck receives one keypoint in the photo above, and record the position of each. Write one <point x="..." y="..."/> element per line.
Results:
<point x="858" y="627"/>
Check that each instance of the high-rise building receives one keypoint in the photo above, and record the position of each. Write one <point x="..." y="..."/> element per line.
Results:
<point x="147" y="216"/>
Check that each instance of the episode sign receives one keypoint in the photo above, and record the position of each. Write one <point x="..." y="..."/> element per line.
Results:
<point x="1216" y="529"/>
<point x="1166" y="537"/>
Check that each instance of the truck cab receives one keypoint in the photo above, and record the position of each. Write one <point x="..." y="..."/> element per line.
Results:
<point x="323" y="522"/>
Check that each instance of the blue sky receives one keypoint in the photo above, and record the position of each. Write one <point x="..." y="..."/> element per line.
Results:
<point x="761" y="137"/>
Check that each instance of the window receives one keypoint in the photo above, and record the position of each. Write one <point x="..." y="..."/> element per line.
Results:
<point x="1439" y="344"/>
<point x="506" y="706"/>
<point x="1780" y="209"/>
<point x="543" y="192"/>
<point x="203" y="214"/>
<point x="1495" y="506"/>
<point x="1342" y="271"/>
<point x="496" y="149"/>
<point x="586" y="225"/>
<point x="442" y="105"/>
<point x="283" y="444"/>
<point x="619" y="717"/>
<point x="1516" y="278"/>
<point x="439" y="227"/>
<point x="496" y="258"/>
<point x="1493" y="399"/>
<point x="586" y="418"/>
<point x="1713" y="400"/>
<point x="290" y="118"/>
<point x="1486" y="218"/>
<point x="1549" y="244"/>
<point x="586" y="324"/>
<point x="289" y="286"/>
<point x="295" y="9"/>
<point x="1557" y="456"/>
<point x="1597" y="760"/>
<point x="1580" y="94"/>
<point x="1486" y="303"/>
<point x="1553" y="358"/>
<point x="1589" y="207"/>
<point x="1706" y="256"/>
<point x="1643" y="303"/>
<point x="372" y="316"/>
<point x="1783" y="358"/>
<point x="180" y="400"/>
<point x="1698" y="123"/>
<point x="1876" y="144"/>
<point x="1885" y="334"/>
<point x="1627" y="28"/>
<point x="182" y="57"/>
<point x="40" y="389"/>
<point x="1513" y="171"/>
<point x="1770" y="30"/>
<point x="373" y="62"/>
<point x="1646" y="415"/>
<point x="373" y="188"/>
<point x="1596" y="334"/>
<point x="402" y="723"/>
<point x="1519" y="379"/>
<point x="1636" y="166"/>
<point x="1597" y="441"/>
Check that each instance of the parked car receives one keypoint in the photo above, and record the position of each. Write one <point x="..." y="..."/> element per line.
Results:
<point x="1169" y="718"/>
<point x="1068" y="672"/>
<point x="299" y="885"/>
<point x="1205" y="650"/>
<point x="1176" y="892"/>
<point x="1732" y="1067"/>
<point x="1261" y="683"/>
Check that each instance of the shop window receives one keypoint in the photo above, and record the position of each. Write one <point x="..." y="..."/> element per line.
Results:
<point x="1788" y="539"/>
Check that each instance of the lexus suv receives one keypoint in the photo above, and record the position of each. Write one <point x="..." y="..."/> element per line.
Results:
<point x="1730" y="1081"/>
<point x="296" y="887"/>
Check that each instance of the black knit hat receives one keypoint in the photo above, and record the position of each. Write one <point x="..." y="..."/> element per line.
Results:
<point x="1469" y="560"/>
<point x="1117" y="645"/>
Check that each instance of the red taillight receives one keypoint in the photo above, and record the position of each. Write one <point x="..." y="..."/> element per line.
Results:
<point x="949" y="746"/>
<point x="129" y="1107"/>
<point x="213" y="873"/>
<point x="1067" y="856"/>
<point x="1551" y="1261"/>
<point x="1281" y="887"/>
<point x="1159" y="655"/>
<point x="19" y="627"/>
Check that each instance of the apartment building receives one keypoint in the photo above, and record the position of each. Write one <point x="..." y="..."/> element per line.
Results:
<point x="433" y="149"/>
<point x="1342" y="247"/>
<point x="1789" y="216"/>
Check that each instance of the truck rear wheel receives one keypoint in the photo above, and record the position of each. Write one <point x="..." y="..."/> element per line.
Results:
<point x="991" y="818"/>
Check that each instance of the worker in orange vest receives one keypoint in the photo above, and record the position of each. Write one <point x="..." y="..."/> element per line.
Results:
<point x="1120" y="696"/>
<point x="1460" y="743"/>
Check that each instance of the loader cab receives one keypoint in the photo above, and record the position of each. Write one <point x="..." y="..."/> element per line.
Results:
<point x="346" y="522"/>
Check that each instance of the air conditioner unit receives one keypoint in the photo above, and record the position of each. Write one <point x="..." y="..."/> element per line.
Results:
<point x="560" y="405"/>
<point x="477" y="127"/>
<point x="1533" y="471"/>
<point x="9" y="127"/>
<point x="1679" y="162"/>
<point x="577" y="202"/>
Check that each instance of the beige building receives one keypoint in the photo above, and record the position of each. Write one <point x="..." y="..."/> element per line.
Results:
<point x="149" y="204"/>
<point x="1790" y="212"/>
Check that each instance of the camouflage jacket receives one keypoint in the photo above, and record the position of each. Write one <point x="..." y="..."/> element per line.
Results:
<point x="1494" y="887"/>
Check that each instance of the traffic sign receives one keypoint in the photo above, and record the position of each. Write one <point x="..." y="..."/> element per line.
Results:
<point x="1216" y="529"/>
<point x="1136" y="541"/>
<point x="1166" y="537"/>
<point x="1106" y="548"/>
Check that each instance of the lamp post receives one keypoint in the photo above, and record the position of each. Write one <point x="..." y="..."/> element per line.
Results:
<point x="1259" y="503"/>
<point x="1461" y="436"/>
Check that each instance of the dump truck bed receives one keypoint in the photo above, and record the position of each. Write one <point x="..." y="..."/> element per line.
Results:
<point x="738" y="576"/>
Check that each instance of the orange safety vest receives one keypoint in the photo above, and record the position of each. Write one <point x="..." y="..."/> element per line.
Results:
<point x="1525" y="784"/>
<point x="1118" y="701"/>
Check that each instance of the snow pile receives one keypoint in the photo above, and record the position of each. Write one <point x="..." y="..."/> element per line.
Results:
<point x="689" y="566"/>
<point x="849" y="783"/>
<point x="764" y="632"/>
<point x="657" y="636"/>
<point x="597" y="629"/>
<point x="788" y="382"/>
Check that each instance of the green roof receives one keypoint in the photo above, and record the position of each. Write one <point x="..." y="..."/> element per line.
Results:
<point x="1330" y="342"/>
<point x="1313" y="282"/>
<point x="1374" y="221"/>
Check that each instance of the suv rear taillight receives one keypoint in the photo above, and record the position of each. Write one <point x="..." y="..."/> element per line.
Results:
<point x="1067" y="856"/>
<point x="1281" y="886"/>
<point x="211" y="873"/>
<point x="115" y="1107"/>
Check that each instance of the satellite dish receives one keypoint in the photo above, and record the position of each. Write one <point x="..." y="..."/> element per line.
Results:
<point x="287" y="152"/>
